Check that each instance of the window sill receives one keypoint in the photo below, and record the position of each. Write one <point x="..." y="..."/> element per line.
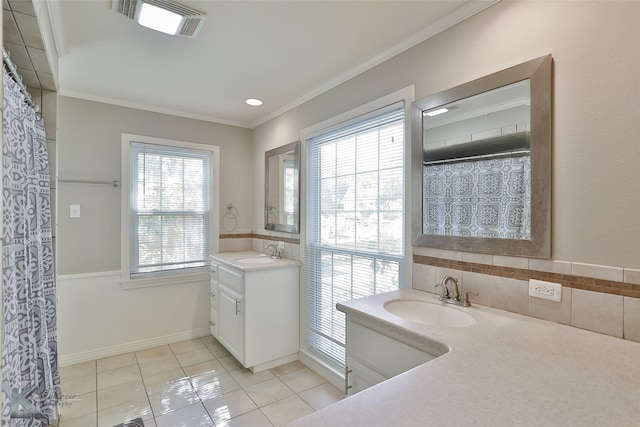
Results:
<point x="201" y="275"/>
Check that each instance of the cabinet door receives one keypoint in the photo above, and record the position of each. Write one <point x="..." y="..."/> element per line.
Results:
<point x="360" y="377"/>
<point x="231" y="321"/>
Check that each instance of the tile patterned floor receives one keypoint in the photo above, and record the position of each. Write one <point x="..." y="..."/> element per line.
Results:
<point x="190" y="383"/>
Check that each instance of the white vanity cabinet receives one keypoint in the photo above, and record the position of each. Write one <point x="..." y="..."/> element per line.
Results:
<point x="257" y="312"/>
<point x="373" y="357"/>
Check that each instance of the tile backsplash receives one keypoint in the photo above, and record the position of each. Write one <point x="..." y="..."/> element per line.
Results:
<point x="597" y="298"/>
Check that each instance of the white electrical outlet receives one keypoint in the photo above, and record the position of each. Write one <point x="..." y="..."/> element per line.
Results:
<point x="545" y="290"/>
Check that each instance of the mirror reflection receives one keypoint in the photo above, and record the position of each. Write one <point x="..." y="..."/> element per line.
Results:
<point x="476" y="157"/>
<point x="281" y="188"/>
<point x="481" y="164"/>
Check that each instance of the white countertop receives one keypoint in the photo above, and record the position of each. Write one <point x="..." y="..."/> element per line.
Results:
<point x="506" y="370"/>
<point x="233" y="259"/>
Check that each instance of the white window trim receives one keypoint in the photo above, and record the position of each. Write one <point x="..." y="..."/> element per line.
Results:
<point x="408" y="96"/>
<point x="165" y="278"/>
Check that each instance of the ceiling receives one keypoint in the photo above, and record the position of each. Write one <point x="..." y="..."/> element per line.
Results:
<point x="283" y="52"/>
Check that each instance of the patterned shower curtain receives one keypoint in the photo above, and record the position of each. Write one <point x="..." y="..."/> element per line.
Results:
<point x="482" y="198"/>
<point x="30" y="378"/>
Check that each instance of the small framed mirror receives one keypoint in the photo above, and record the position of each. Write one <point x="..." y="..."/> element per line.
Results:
<point x="481" y="164"/>
<point x="282" y="177"/>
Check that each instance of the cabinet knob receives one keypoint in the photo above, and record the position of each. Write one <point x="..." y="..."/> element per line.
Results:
<point x="213" y="294"/>
<point x="212" y="323"/>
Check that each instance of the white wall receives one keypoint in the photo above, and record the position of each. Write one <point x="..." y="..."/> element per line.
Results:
<point x="89" y="148"/>
<point x="96" y="317"/>
<point x="597" y="99"/>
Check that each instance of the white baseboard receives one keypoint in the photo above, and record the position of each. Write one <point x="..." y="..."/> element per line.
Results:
<point x="329" y="374"/>
<point x="115" y="350"/>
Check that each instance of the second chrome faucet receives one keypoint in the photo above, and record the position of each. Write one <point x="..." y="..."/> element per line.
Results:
<point x="453" y="296"/>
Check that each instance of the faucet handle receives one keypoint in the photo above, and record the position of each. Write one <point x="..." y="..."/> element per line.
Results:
<point x="465" y="296"/>
<point x="445" y="291"/>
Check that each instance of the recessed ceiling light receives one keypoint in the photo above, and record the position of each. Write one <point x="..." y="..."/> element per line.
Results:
<point x="159" y="19"/>
<point x="436" y="112"/>
<point x="253" y="101"/>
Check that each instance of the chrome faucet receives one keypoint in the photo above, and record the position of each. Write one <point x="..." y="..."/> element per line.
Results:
<point x="453" y="297"/>
<point x="273" y="249"/>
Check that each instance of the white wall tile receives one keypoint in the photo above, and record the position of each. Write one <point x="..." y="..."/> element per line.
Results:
<point x="632" y="318"/>
<point x="550" y="266"/>
<point x="631" y="276"/>
<point x="511" y="295"/>
<point x="597" y="312"/>
<point x="481" y="283"/>
<point x="477" y="258"/>
<point x="424" y="278"/>
<point x="559" y="312"/>
<point x="510" y="261"/>
<point x="597" y="271"/>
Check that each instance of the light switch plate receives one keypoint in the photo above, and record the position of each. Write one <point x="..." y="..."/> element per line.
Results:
<point x="74" y="211"/>
<point x="545" y="290"/>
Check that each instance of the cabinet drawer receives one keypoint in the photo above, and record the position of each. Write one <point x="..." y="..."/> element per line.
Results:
<point x="213" y="322"/>
<point x="231" y="279"/>
<point x="213" y="269"/>
<point x="213" y="293"/>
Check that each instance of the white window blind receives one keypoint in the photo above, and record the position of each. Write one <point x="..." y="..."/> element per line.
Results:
<point x="355" y="222"/>
<point x="170" y="208"/>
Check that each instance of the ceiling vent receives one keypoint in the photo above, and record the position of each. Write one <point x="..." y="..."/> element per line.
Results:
<point x="188" y="21"/>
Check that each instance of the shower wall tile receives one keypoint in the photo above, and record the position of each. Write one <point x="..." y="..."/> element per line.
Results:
<point x="597" y="312"/>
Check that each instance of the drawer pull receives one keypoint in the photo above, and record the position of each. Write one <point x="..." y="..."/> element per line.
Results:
<point x="237" y="306"/>
<point x="212" y="323"/>
<point x="213" y="294"/>
<point x="347" y="386"/>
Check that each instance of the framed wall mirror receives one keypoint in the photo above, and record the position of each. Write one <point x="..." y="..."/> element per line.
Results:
<point x="481" y="164"/>
<point x="282" y="177"/>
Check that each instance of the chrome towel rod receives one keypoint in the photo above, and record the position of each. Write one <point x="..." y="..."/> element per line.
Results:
<point x="84" y="181"/>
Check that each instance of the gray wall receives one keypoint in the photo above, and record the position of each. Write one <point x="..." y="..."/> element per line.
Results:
<point x="596" y="151"/>
<point x="89" y="142"/>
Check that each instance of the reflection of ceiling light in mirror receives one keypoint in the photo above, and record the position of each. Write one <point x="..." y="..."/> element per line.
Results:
<point x="436" y="112"/>
<point x="159" y="19"/>
<point x="254" y="101"/>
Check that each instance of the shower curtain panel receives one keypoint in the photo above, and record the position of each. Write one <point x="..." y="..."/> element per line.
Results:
<point x="30" y="378"/>
<point x="483" y="198"/>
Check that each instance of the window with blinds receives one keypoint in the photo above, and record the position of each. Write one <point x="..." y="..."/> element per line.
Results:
<point x="170" y="200"/>
<point x="355" y="222"/>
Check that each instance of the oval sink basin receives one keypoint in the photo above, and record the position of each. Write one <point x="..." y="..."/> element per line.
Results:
<point x="256" y="260"/>
<point x="429" y="313"/>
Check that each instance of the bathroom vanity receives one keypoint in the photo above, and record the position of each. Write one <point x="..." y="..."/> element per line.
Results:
<point x="505" y="369"/>
<point x="254" y="307"/>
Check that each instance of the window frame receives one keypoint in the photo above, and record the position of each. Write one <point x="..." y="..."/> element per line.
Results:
<point x="169" y="277"/>
<point x="405" y="95"/>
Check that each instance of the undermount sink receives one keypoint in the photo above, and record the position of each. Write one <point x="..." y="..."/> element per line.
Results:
<point x="256" y="260"/>
<point x="429" y="313"/>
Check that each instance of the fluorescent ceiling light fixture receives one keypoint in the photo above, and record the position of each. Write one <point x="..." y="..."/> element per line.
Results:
<point x="253" y="101"/>
<point x="436" y="112"/>
<point x="165" y="16"/>
<point x="159" y="19"/>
